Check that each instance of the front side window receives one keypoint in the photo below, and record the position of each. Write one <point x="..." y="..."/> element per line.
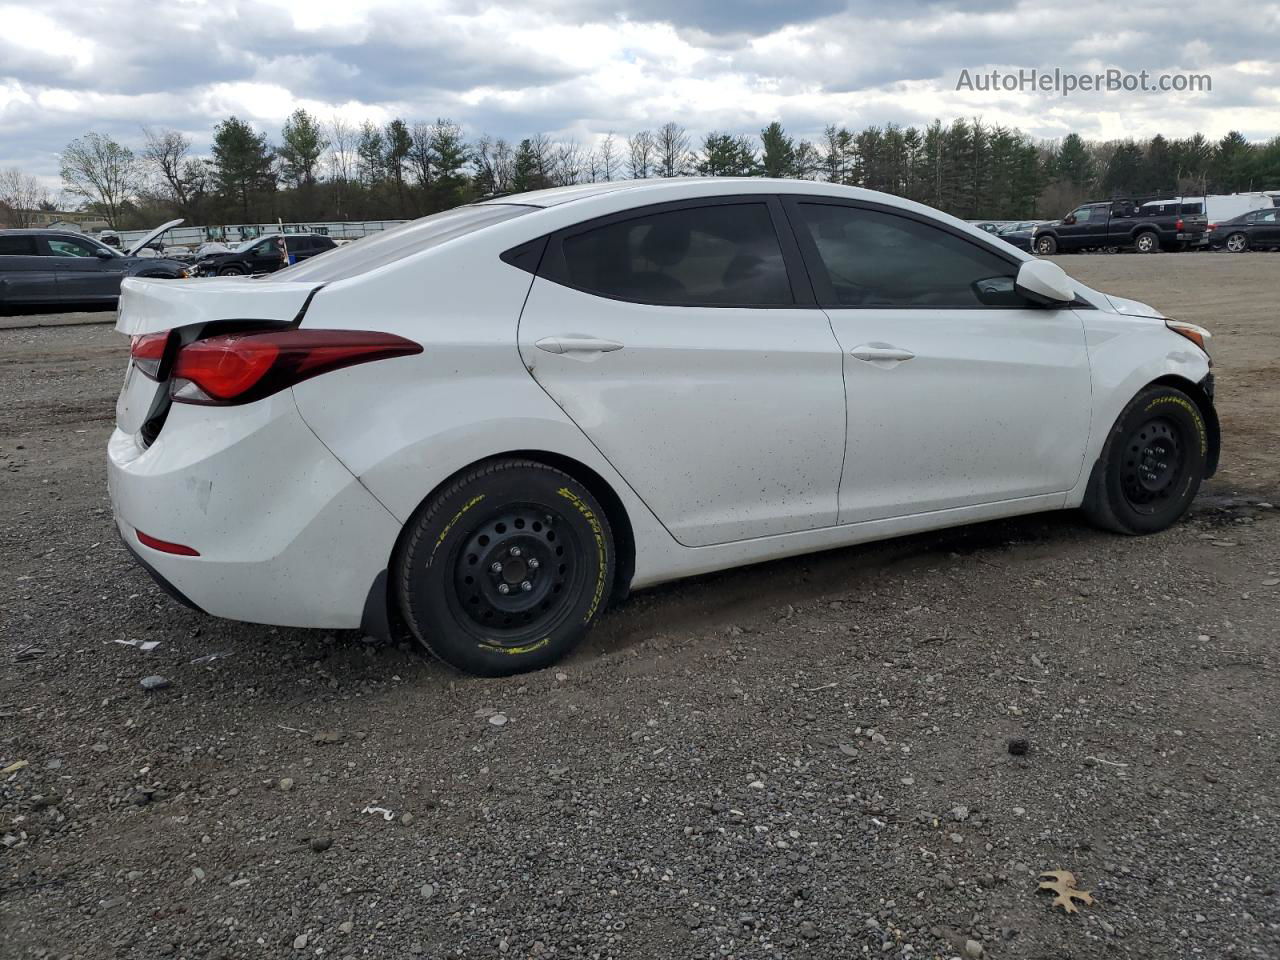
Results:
<point x="1082" y="214"/>
<point x="713" y="256"/>
<point x="876" y="259"/>
<point x="64" y="247"/>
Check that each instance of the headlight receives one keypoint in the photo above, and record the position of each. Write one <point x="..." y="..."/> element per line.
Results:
<point x="1196" y="334"/>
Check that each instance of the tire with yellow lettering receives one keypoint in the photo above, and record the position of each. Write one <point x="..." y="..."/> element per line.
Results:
<point x="506" y="569"/>
<point x="1152" y="464"/>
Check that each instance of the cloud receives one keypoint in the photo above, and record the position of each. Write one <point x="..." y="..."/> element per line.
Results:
<point x="580" y="68"/>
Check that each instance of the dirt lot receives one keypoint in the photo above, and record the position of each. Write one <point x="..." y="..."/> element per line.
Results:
<point x="808" y="758"/>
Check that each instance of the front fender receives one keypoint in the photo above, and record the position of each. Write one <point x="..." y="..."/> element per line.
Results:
<point x="1127" y="354"/>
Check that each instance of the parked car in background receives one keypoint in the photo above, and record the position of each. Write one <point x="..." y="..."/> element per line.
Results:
<point x="264" y="254"/>
<point x="1256" y="230"/>
<point x="1120" y="223"/>
<point x="1018" y="234"/>
<point x="53" y="266"/>
<point x="488" y="423"/>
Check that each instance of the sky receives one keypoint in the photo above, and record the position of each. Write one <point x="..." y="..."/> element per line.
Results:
<point x="577" y="69"/>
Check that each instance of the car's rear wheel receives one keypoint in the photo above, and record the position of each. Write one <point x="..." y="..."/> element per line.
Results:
<point x="1152" y="464"/>
<point x="1146" y="242"/>
<point x="1237" y="243"/>
<point x="506" y="569"/>
<point x="1046" y="246"/>
<point x="231" y="272"/>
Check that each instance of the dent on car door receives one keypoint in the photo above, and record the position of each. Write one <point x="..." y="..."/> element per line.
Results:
<point x="673" y="337"/>
<point x="26" y="271"/>
<point x="959" y="392"/>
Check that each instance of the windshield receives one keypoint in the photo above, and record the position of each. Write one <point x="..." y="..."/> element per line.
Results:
<point x="379" y="249"/>
<point x="244" y="245"/>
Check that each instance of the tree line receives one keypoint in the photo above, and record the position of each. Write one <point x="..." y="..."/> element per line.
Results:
<point x="339" y="170"/>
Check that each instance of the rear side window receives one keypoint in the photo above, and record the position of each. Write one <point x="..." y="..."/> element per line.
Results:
<point x="876" y="259"/>
<point x="712" y="256"/>
<point x="17" y="246"/>
<point x="380" y="249"/>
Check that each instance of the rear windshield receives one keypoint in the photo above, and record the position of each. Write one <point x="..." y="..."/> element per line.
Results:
<point x="379" y="249"/>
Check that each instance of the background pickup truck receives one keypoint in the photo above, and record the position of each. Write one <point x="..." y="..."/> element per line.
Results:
<point x="1122" y="223"/>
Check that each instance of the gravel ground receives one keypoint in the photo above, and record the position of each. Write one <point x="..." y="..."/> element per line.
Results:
<point x="806" y="758"/>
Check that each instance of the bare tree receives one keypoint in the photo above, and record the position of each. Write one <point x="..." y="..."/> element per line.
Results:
<point x="567" y="164"/>
<point x="179" y="179"/>
<point x="101" y="172"/>
<point x="493" y="165"/>
<point x="640" y="150"/>
<point x="608" y="157"/>
<point x="421" y="152"/>
<point x="21" y="195"/>
<point x="673" y="150"/>
<point x="340" y="159"/>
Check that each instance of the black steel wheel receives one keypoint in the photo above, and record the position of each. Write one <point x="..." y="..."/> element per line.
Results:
<point x="1152" y="464"/>
<point x="506" y="569"/>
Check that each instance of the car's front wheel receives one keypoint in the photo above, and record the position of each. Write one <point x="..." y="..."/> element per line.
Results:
<point x="506" y="569"/>
<point x="1046" y="246"/>
<point x="1151" y="465"/>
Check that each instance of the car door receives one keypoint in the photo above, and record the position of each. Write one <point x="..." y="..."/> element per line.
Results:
<point x="959" y="392"/>
<point x="82" y="274"/>
<point x="683" y="340"/>
<point x="1265" y="228"/>
<point x="1073" y="229"/>
<point x="26" y="270"/>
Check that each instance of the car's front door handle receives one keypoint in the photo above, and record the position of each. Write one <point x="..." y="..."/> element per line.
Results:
<point x="873" y="352"/>
<point x="569" y="343"/>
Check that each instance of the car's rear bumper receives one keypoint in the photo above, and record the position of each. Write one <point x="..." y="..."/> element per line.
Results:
<point x="285" y="534"/>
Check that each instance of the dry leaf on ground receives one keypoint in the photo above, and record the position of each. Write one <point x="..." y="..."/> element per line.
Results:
<point x="1063" y="883"/>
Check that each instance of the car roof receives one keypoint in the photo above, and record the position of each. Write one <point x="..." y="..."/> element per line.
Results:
<point x="659" y="189"/>
<point x="44" y="232"/>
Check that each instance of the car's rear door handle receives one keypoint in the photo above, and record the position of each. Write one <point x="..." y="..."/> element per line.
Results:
<point x="568" y="343"/>
<point x="882" y="352"/>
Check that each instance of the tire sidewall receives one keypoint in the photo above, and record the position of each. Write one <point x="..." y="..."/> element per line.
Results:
<point x="1151" y="241"/>
<point x="1181" y="409"/>
<point x="1046" y="246"/>
<point x="428" y="569"/>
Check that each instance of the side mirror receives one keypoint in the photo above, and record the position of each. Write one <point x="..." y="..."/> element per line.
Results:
<point x="1069" y="219"/>
<point x="103" y="254"/>
<point x="1046" y="283"/>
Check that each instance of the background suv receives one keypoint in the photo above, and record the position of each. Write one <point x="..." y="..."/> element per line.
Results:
<point x="53" y="266"/>
<point x="263" y="254"/>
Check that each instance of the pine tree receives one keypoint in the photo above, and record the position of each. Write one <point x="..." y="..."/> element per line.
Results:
<point x="242" y="163"/>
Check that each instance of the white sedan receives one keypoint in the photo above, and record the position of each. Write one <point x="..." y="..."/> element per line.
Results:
<point x="485" y="425"/>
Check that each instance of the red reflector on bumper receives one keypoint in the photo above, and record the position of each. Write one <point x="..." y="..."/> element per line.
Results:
<point x="164" y="546"/>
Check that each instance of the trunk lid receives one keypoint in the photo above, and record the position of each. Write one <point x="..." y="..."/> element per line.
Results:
<point x="151" y="306"/>
<point x="187" y="307"/>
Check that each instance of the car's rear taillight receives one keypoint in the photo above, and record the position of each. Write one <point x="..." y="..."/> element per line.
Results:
<point x="147" y="352"/>
<point x="242" y="367"/>
<point x="1178" y="224"/>
<point x="1212" y="226"/>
